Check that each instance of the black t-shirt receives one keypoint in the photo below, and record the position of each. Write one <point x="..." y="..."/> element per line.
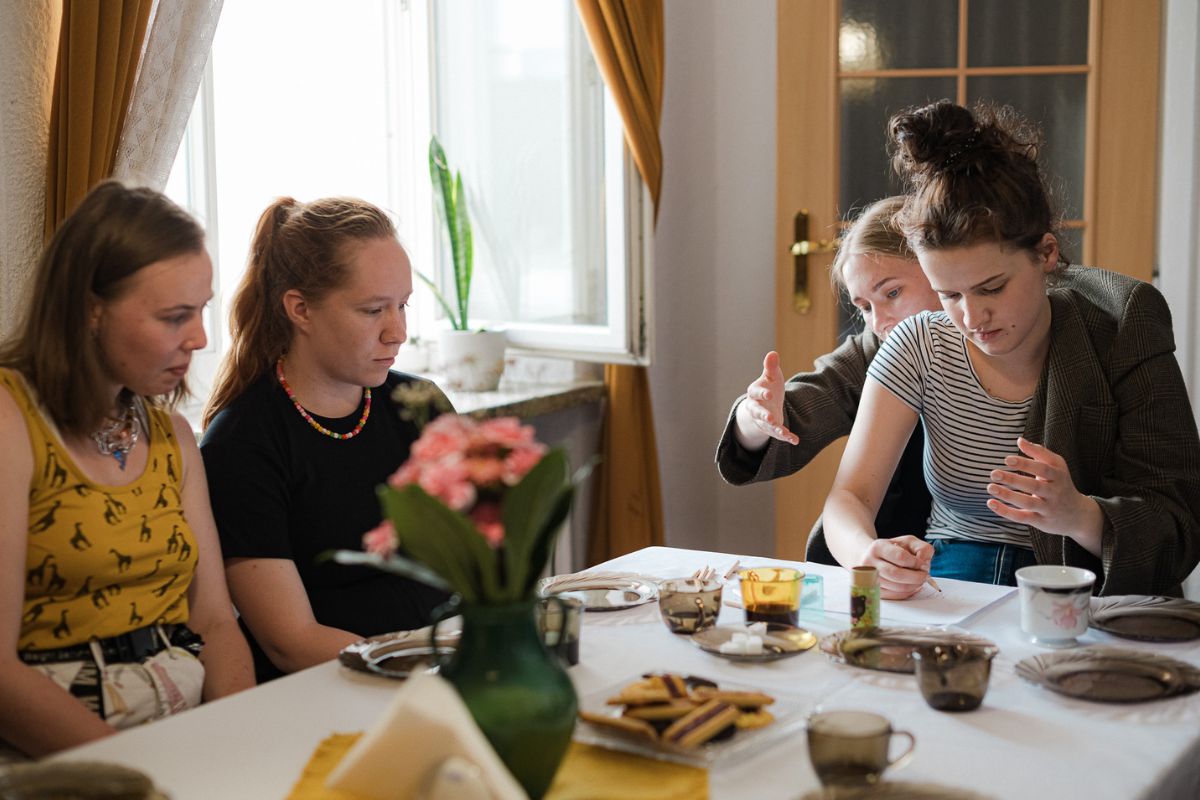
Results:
<point x="281" y="489"/>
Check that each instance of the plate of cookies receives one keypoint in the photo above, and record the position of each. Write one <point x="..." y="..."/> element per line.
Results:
<point x="685" y="718"/>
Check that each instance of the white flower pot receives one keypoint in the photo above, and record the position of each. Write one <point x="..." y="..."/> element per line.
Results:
<point x="413" y="357"/>
<point x="472" y="361"/>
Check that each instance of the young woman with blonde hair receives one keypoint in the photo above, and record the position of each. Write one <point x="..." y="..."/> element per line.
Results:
<point x="112" y="570"/>
<point x="302" y="427"/>
<point x="777" y="427"/>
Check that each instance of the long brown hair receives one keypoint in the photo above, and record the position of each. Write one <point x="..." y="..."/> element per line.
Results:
<point x="302" y="246"/>
<point x="972" y="176"/>
<point x="113" y="232"/>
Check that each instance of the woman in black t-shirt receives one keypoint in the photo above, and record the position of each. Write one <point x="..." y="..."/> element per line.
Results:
<point x="301" y="429"/>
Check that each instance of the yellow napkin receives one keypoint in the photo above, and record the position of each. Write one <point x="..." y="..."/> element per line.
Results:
<point x="595" y="773"/>
<point x="587" y="773"/>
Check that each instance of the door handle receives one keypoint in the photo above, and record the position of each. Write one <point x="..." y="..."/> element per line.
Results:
<point x="801" y="249"/>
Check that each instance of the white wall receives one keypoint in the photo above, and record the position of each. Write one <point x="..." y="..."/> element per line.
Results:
<point x="28" y="42"/>
<point x="1179" y="181"/>
<point x="714" y="262"/>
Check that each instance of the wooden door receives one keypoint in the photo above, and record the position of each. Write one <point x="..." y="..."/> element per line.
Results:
<point x="1087" y="70"/>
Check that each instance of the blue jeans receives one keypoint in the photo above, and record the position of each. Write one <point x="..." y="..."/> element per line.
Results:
<point x="979" y="561"/>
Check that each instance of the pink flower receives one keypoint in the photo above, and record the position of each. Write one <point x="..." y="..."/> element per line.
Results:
<point x="486" y="517"/>
<point x="506" y="432"/>
<point x="449" y="483"/>
<point x="1065" y="614"/>
<point x="409" y="472"/>
<point x="446" y="435"/>
<point x="483" y="471"/>
<point x="381" y="540"/>
<point x="522" y="459"/>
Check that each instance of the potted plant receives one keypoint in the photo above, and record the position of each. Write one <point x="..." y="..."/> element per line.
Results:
<point x="472" y="361"/>
<point x="474" y="511"/>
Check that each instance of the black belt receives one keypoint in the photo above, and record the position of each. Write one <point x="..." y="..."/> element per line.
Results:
<point x="125" y="648"/>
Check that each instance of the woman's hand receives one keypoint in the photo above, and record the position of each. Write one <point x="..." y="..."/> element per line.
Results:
<point x="1039" y="491"/>
<point x="760" y="415"/>
<point x="902" y="563"/>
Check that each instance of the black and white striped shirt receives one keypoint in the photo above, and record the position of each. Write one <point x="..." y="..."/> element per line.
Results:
<point x="924" y="362"/>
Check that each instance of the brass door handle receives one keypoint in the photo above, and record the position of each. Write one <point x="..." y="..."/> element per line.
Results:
<point x="801" y="249"/>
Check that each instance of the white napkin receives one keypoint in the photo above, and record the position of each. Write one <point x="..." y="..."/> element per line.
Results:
<point x="588" y="580"/>
<point x="425" y="724"/>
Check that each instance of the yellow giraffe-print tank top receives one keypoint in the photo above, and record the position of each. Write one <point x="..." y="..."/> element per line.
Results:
<point x="101" y="560"/>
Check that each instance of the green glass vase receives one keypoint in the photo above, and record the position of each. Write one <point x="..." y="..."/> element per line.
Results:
<point x="517" y="691"/>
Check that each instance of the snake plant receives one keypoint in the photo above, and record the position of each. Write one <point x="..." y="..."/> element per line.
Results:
<point x="452" y="203"/>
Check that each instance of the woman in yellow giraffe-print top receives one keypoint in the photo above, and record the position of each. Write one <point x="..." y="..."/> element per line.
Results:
<point x="109" y="560"/>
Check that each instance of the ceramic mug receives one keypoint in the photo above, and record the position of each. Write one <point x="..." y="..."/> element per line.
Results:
<point x="852" y="747"/>
<point x="1055" y="603"/>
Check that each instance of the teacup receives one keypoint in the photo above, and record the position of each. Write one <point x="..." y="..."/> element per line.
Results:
<point x="771" y="594"/>
<point x="954" y="677"/>
<point x="1055" y="603"/>
<point x="852" y="747"/>
<point x="689" y="605"/>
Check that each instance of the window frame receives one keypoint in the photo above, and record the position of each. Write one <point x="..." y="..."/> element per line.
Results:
<point x="410" y="113"/>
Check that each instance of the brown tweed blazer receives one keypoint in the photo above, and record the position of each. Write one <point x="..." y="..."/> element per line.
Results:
<point x="1111" y="402"/>
<point x="819" y="407"/>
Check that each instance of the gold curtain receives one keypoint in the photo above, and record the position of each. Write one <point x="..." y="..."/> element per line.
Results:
<point x="98" y="53"/>
<point x="627" y="39"/>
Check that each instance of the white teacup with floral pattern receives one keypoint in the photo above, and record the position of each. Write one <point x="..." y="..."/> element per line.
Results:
<point x="1055" y="603"/>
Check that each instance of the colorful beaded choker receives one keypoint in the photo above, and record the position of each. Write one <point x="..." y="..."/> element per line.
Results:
<point x="308" y="417"/>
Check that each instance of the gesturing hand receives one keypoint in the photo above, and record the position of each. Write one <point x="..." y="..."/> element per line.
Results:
<point x="902" y="563"/>
<point x="764" y="402"/>
<point x="1038" y="491"/>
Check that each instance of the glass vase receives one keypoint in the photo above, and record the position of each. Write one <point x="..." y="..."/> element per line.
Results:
<point x="517" y="691"/>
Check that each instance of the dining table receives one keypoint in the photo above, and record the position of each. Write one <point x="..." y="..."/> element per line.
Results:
<point x="1025" y="742"/>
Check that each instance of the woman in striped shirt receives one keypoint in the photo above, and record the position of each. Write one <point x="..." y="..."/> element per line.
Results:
<point x="1058" y="426"/>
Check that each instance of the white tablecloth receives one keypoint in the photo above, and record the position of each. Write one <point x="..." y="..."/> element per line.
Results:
<point x="1024" y="743"/>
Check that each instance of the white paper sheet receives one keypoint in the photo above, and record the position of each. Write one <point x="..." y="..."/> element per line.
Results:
<point x="957" y="601"/>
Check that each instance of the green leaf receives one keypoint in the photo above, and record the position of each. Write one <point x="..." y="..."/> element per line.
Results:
<point x="397" y="565"/>
<point x="464" y="255"/>
<point x="444" y="193"/>
<point x="443" y="540"/>
<point x="437" y="295"/>
<point x="544" y="541"/>
<point x="528" y="509"/>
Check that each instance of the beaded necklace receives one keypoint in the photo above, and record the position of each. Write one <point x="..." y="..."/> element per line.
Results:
<point x="118" y="435"/>
<point x="308" y="417"/>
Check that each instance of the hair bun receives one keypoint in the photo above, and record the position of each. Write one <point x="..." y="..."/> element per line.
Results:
<point x="940" y="137"/>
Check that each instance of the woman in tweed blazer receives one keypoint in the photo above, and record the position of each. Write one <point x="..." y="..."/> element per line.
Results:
<point x="1107" y="472"/>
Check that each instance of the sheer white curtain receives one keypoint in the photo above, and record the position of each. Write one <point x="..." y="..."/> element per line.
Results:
<point x="177" y="46"/>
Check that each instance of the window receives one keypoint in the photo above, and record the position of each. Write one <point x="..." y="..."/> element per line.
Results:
<point x="308" y="98"/>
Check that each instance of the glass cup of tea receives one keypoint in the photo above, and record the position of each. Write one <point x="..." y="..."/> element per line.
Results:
<point x="689" y="605"/>
<point x="771" y="594"/>
<point x="558" y="623"/>
<point x="850" y="748"/>
<point x="954" y="677"/>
